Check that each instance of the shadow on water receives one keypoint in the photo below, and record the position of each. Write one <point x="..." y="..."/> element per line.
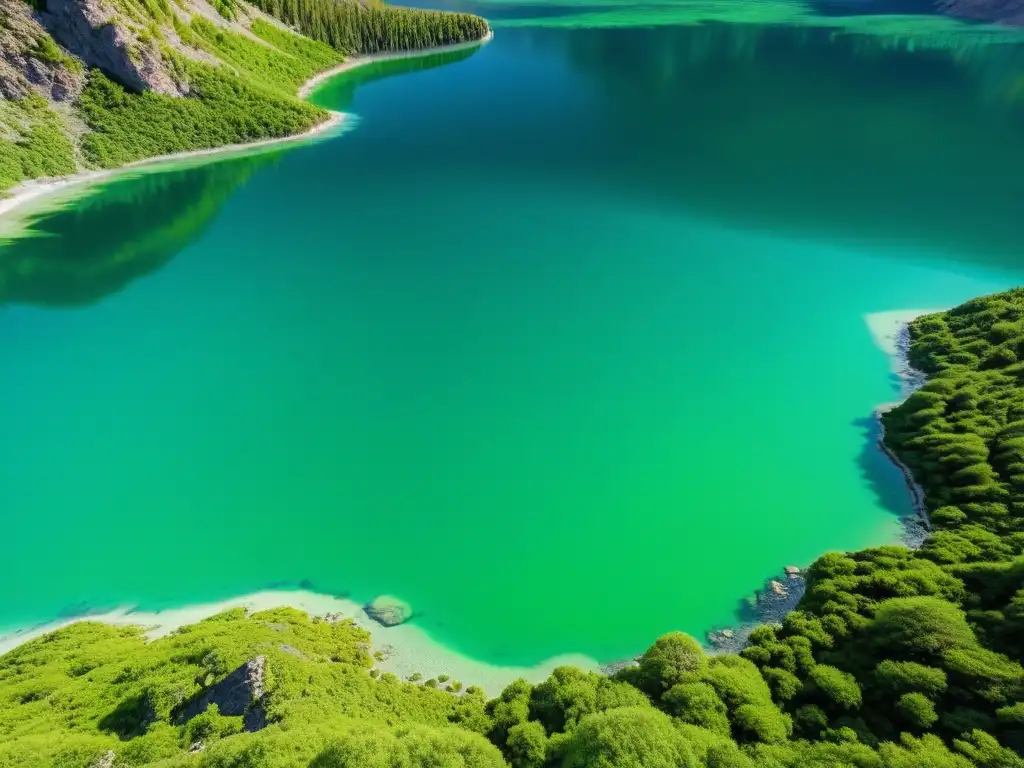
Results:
<point x="883" y="477"/>
<point x="339" y="93"/>
<point x="95" y="245"/>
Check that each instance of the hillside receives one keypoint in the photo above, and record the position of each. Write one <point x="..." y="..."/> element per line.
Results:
<point x="893" y="659"/>
<point x="100" y="83"/>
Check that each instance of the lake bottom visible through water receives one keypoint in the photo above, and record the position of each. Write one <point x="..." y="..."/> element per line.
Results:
<point x="510" y="350"/>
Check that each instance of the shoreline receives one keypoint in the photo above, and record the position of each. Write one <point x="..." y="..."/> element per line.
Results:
<point x="781" y="593"/>
<point x="19" y="196"/>
<point x="891" y="332"/>
<point x="406" y="648"/>
<point x="358" y="61"/>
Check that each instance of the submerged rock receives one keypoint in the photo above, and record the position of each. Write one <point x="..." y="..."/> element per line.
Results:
<point x="388" y="610"/>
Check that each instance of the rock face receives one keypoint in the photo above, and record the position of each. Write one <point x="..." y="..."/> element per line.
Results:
<point x="388" y="610"/>
<point x="96" y="33"/>
<point x="27" y="64"/>
<point x="240" y="693"/>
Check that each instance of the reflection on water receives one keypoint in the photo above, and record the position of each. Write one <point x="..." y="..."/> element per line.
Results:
<point x="339" y="93"/>
<point x="807" y="132"/>
<point x="95" y="244"/>
<point x="116" y="233"/>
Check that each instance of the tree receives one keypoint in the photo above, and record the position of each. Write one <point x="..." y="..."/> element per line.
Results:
<point x="840" y="688"/>
<point x="697" y="704"/>
<point x="916" y="710"/>
<point x="898" y="677"/>
<point x="630" y="737"/>
<point x="919" y="628"/>
<point x="526" y="746"/>
<point x="674" y="658"/>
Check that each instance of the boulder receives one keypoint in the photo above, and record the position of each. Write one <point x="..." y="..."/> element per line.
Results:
<point x="792" y="571"/>
<point x="388" y="610"/>
<point x="240" y="693"/>
<point x="103" y="37"/>
<point x="23" y="65"/>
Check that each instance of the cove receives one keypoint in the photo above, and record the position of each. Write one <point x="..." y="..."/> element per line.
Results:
<point x="564" y="343"/>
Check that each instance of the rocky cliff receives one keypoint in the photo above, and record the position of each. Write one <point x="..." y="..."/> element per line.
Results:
<point x="31" y="62"/>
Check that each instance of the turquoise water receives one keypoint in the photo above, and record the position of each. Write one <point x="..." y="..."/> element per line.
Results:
<point x="562" y="342"/>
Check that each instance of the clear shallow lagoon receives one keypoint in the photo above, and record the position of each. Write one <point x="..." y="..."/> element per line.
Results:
<point x="563" y="343"/>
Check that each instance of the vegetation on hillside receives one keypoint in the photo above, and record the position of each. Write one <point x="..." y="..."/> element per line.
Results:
<point x="894" y="659"/>
<point x="249" y="95"/>
<point x="37" y="145"/>
<point x="354" y="28"/>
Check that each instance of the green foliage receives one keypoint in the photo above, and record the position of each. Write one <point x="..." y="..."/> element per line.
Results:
<point x="101" y="687"/>
<point x="673" y="659"/>
<point x="627" y="738"/>
<point x="353" y="28"/>
<point x="839" y="688"/>
<point x="898" y="677"/>
<point x="283" y="65"/>
<point x="526" y="745"/>
<point x="698" y="704"/>
<point x="917" y="710"/>
<point x="128" y="127"/>
<point x="39" y="146"/>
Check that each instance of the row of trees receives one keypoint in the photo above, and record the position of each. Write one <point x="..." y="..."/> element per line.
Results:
<point x="354" y="28"/>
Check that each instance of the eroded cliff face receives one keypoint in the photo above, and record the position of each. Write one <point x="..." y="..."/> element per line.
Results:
<point x="105" y="37"/>
<point x="29" y="61"/>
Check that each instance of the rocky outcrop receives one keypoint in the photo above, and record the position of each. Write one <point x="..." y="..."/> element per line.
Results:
<point x="106" y="760"/>
<point x="769" y="606"/>
<point x="121" y="49"/>
<point x="388" y="610"/>
<point x="29" y="61"/>
<point x="240" y="693"/>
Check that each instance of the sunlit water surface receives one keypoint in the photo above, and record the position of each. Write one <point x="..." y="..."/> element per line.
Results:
<point x="563" y="342"/>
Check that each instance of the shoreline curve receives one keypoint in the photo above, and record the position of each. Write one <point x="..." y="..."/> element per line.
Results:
<point x="405" y="648"/>
<point x="37" y="189"/>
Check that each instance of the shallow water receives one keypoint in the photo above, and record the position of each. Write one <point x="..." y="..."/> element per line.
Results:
<point x="563" y="343"/>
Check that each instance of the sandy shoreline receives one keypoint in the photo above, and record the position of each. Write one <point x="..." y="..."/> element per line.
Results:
<point x="407" y="648"/>
<point x="39" y="189"/>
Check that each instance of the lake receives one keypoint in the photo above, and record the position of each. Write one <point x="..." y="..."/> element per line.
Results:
<point x="563" y="340"/>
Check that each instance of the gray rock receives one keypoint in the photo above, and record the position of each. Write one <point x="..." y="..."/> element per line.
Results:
<point x="22" y="69"/>
<point x="240" y="693"/>
<point x="388" y="610"/>
<point x="96" y="33"/>
<point x="792" y="571"/>
<point x="106" y="760"/>
<point x="617" y="666"/>
<point x="291" y="649"/>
